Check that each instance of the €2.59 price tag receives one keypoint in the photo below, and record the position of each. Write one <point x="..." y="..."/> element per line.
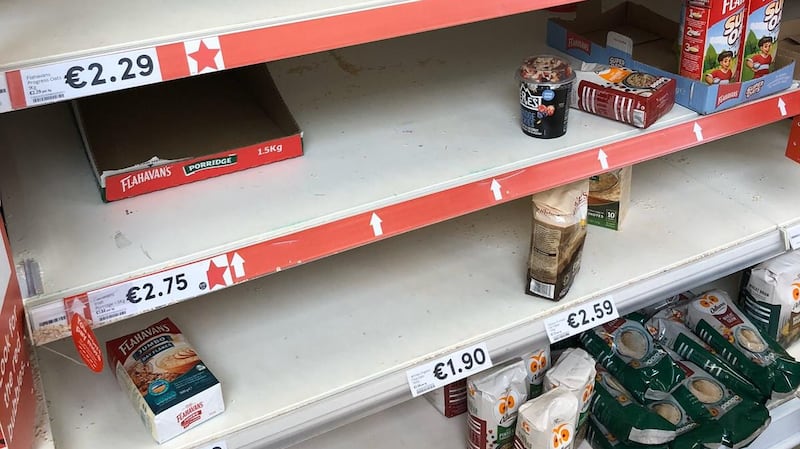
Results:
<point x="89" y="76"/>
<point x="448" y="369"/>
<point x="580" y="318"/>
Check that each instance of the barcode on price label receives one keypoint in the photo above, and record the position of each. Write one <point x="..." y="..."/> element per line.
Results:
<point x="5" y="98"/>
<point x="581" y="318"/>
<point x="448" y="369"/>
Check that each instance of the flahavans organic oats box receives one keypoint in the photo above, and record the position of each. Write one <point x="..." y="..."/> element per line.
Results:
<point x="166" y="380"/>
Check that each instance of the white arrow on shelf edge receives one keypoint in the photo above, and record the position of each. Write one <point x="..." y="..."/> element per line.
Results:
<point x="237" y="262"/>
<point x="495" y="187"/>
<point x="782" y="106"/>
<point x="698" y="132"/>
<point x="375" y="222"/>
<point x="603" y="158"/>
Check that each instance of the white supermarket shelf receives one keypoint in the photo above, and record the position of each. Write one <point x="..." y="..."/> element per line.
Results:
<point x="48" y="37"/>
<point x="414" y="129"/>
<point x="311" y="349"/>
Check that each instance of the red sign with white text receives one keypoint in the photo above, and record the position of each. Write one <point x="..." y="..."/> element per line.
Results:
<point x="17" y="398"/>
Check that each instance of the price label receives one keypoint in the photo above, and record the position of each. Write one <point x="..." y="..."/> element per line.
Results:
<point x="794" y="241"/>
<point x="80" y="78"/>
<point x="160" y="289"/>
<point x="581" y="318"/>
<point x="5" y="97"/>
<point x="448" y="369"/>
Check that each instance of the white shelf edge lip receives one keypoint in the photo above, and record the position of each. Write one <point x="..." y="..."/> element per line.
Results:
<point x="210" y="32"/>
<point x="49" y="303"/>
<point x="391" y="388"/>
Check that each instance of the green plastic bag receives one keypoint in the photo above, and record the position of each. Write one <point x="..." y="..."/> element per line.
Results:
<point x="627" y="350"/>
<point x="600" y="438"/>
<point x="715" y="319"/>
<point x="668" y="329"/>
<point x="616" y="409"/>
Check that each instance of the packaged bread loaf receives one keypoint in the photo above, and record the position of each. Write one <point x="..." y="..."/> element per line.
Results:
<point x="548" y="421"/>
<point x="574" y="371"/>
<point x="621" y="415"/>
<point x="715" y="319"/>
<point x="735" y="420"/>
<point x="493" y="398"/>
<point x="681" y="408"/>
<point x="557" y="237"/>
<point x="668" y="329"/>
<point x="770" y="297"/>
<point x="626" y="349"/>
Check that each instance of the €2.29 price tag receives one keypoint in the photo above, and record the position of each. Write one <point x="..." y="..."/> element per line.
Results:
<point x="448" y="369"/>
<point x="89" y="76"/>
<point x="581" y="318"/>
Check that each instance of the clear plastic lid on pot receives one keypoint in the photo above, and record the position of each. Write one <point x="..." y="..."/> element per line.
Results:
<point x="546" y="69"/>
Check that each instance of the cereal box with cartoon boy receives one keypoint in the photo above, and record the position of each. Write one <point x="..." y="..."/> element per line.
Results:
<point x="711" y="40"/>
<point x="761" y="40"/>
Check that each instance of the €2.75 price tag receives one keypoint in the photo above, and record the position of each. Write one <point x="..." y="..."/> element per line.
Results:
<point x="156" y="290"/>
<point x="448" y="369"/>
<point x="89" y="76"/>
<point x="580" y="318"/>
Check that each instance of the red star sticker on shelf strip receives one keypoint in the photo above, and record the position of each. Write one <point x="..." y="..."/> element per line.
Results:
<point x="216" y="275"/>
<point x="205" y="57"/>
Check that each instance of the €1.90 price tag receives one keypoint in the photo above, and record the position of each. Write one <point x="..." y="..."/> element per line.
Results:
<point x="581" y="318"/>
<point x="89" y="76"/>
<point x="448" y="369"/>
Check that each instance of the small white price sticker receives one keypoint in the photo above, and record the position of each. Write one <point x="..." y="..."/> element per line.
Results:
<point x="448" y="369"/>
<point x="217" y="445"/>
<point x="89" y="76"/>
<point x="160" y="289"/>
<point x="5" y="97"/>
<point x="581" y="318"/>
<point x="794" y="241"/>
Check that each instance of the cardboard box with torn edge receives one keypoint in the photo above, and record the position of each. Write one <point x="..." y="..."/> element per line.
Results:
<point x="164" y="135"/>
<point x="629" y="31"/>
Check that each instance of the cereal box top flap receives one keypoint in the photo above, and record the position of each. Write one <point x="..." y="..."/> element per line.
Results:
<point x="120" y="348"/>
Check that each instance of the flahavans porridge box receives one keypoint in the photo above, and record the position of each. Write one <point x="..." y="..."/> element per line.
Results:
<point x="169" y="385"/>
<point x="164" y="135"/>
